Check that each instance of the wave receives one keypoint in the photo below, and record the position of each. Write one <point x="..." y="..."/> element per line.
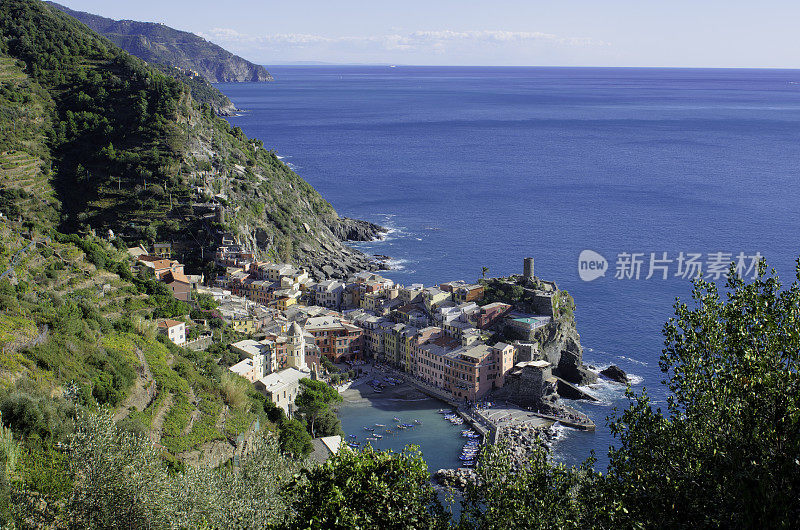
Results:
<point x="635" y="379"/>
<point x="397" y="264"/>
<point x="560" y="432"/>
<point x="606" y="392"/>
<point x="635" y="361"/>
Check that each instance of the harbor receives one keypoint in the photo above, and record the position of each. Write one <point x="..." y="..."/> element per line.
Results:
<point x="389" y="410"/>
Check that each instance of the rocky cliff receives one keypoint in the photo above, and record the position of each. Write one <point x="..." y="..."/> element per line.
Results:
<point x="560" y="344"/>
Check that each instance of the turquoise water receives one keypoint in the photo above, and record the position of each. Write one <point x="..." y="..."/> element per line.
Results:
<point x="438" y="439"/>
<point x="475" y="167"/>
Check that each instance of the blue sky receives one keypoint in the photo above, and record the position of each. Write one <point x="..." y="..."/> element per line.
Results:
<point x="698" y="33"/>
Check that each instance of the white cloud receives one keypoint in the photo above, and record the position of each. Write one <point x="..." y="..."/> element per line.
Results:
<point x="396" y="46"/>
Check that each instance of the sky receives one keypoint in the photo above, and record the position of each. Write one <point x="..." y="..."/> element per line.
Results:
<point x="676" y="33"/>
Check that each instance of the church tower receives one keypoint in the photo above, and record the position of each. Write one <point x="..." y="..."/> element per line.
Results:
<point x="296" y="348"/>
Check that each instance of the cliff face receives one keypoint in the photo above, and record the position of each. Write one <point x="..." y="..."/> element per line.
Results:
<point x="560" y="344"/>
<point x="161" y="44"/>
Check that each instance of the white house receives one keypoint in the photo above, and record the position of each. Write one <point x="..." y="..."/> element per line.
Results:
<point x="328" y="293"/>
<point x="283" y="387"/>
<point x="174" y="330"/>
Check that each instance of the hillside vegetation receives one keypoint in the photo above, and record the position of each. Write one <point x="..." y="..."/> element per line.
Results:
<point x="113" y="143"/>
<point x="157" y="43"/>
<point x="77" y="331"/>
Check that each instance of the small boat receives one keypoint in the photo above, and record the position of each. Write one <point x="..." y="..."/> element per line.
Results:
<point x="378" y="436"/>
<point x="396" y="419"/>
<point x="418" y="422"/>
<point x="370" y="429"/>
<point x="407" y="425"/>
<point x="402" y="427"/>
<point x="389" y="431"/>
<point x="371" y="438"/>
<point x="443" y="411"/>
<point x="351" y="435"/>
<point x="380" y="425"/>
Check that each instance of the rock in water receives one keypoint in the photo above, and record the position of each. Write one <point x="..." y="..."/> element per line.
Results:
<point x="348" y="229"/>
<point x="615" y="373"/>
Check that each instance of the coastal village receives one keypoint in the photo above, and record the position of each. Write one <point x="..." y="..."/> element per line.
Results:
<point x="450" y="341"/>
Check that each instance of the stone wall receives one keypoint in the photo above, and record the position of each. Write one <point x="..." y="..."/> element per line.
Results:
<point x="530" y="386"/>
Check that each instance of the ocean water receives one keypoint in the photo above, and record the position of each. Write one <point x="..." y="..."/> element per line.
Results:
<point x="473" y="167"/>
<point x="439" y="440"/>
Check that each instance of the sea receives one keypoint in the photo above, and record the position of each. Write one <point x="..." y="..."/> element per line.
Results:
<point x="621" y="183"/>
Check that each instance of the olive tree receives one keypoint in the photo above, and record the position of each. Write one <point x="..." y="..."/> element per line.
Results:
<point x="726" y="451"/>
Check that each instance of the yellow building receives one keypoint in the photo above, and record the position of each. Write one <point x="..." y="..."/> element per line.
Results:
<point x="244" y="325"/>
<point x="162" y="250"/>
<point x="285" y="303"/>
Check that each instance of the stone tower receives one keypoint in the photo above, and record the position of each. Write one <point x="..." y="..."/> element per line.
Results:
<point x="296" y="348"/>
<point x="528" y="269"/>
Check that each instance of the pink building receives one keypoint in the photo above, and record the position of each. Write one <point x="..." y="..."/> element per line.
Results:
<point x="491" y="313"/>
<point x="467" y="372"/>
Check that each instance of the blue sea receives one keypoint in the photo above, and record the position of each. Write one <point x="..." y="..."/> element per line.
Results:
<point x="473" y="167"/>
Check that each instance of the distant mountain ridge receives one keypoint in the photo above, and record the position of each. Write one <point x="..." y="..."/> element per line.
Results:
<point x="162" y="44"/>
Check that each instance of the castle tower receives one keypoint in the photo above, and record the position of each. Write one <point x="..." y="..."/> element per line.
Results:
<point x="296" y="348"/>
<point x="528" y="269"/>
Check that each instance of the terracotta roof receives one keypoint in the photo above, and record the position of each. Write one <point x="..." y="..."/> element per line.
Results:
<point x="175" y="276"/>
<point x="168" y="323"/>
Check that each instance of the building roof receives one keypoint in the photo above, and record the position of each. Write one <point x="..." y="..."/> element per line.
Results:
<point x="495" y="305"/>
<point x="169" y="323"/>
<point x="242" y="367"/>
<point x="279" y="380"/>
<point x="249" y="347"/>
<point x="536" y="364"/>
<point x="137" y="252"/>
<point x="176" y="276"/>
<point x="325" y="447"/>
<point x="318" y="323"/>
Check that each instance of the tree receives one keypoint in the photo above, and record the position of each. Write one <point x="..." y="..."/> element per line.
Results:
<point x="726" y="452"/>
<point x="294" y="440"/>
<point x="314" y="403"/>
<point x="367" y="489"/>
<point x="539" y="495"/>
<point x="484" y="270"/>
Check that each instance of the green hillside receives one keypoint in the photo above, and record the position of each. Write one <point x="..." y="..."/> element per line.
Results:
<point x="112" y="143"/>
<point x="78" y="330"/>
<point x="157" y="43"/>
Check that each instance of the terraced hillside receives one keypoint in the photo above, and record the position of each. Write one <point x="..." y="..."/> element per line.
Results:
<point x="120" y="145"/>
<point x="81" y="335"/>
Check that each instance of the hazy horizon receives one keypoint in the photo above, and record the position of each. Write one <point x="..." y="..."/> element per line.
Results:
<point x="573" y="33"/>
